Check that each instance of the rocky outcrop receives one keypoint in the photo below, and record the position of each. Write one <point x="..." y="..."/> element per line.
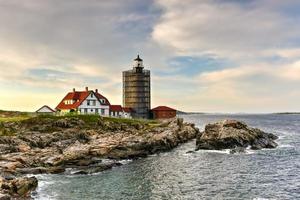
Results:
<point x="17" y="188"/>
<point x="53" y="144"/>
<point x="236" y="135"/>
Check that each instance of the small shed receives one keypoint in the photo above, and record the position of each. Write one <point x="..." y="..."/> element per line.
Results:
<point x="45" y="110"/>
<point x="163" y="112"/>
<point x="127" y="112"/>
<point x="115" y="110"/>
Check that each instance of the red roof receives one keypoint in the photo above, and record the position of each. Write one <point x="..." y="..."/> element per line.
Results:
<point x="163" y="108"/>
<point x="78" y="97"/>
<point x="100" y="96"/>
<point x="116" y="108"/>
<point x="127" y="109"/>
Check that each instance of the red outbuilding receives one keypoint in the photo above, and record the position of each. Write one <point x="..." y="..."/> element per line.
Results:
<point x="163" y="112"/>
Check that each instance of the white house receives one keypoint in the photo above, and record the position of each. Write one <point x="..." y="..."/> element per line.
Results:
<point x="119" y="111"/>
<point x="84" y="102"/>
<point x="45" y="110"/>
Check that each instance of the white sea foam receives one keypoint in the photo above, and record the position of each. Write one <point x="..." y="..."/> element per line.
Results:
<point x="285" y="146"/>
<point x="224" y="151"/>
<point x="227" y="151"/>
<point x="126" y="161"/>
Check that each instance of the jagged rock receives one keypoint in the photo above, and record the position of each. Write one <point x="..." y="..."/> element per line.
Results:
<point x="188" y="152"/>
<point x="96" y="169"/>
<point x="229" y="134"/>
<point x="68" y="122"/>
<point x="41" y="170"/>
<point x="19" y="187"/>
<point x="237" y="150"/>
<point x="23" y="147"/>
<point x="5" y="197"/>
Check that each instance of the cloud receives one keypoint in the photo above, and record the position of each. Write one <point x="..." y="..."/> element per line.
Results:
<point x="64" y="44"/>
<point x="210" y="55"/>
<point x="225" y="29"/>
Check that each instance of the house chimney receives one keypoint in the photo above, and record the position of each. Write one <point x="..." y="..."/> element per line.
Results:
<point x="96" y="90"/>
<point x="74" y="90"/>
<point x="86" y="89"/>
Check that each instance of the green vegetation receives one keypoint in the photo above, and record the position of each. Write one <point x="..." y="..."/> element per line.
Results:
<point x="131" y="121"/>
<point x="43" y="123"/>
<point x="14" y="116"/>
<point x="86" y="118"/>
<point x="91" y="119"/>
<point x="13" y="119"/>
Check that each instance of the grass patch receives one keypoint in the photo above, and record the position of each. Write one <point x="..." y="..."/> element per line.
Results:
<point x="89" y="119"/>
<point x="44" y="123"/>
<point x="14" y="116"/>
<point x="5" y="132"/>
<point x="131" y="121"/>
<point x="14" y="119"/>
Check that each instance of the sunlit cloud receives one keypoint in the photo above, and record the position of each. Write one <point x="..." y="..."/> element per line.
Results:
<point x="211" y="55"/>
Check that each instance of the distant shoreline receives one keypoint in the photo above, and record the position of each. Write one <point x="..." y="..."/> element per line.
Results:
<point x="203" y="113"/>
<point x="6" y="112"/>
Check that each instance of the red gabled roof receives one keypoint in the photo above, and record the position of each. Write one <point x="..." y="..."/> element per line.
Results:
<point x="127" y="109"/>
<point x="100" y="96"/>
<point x="45" y="106"/>
<point x="163" y="108"/>
<point x="116" y="108"/>
<point x="78" y="96"/>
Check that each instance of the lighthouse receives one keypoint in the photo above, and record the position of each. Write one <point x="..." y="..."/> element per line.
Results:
<point x="136" y="89"/>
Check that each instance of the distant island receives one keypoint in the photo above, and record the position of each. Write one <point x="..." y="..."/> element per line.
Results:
<point x="287" y="113"/>
<point x="188" y="113"/>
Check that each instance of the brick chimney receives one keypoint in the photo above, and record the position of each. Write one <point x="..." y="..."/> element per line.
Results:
<point x="86" y="89"/>
<point x="96" y="90"/>
<point x="74" y="90"/>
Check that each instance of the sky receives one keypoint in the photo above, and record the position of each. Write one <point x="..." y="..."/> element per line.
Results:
<point x="204" y="55"/>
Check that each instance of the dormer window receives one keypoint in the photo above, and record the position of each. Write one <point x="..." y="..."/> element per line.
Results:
<point x="102" y="100"/>
<point x="68" y="102"/>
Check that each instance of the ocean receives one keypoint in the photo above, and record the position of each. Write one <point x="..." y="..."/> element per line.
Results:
<point x="263" y="174"/>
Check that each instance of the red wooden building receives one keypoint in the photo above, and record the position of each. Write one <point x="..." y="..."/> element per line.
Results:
<point x="163" y="112"/>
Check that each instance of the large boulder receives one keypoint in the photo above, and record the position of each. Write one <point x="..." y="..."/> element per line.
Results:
<point x="229" y="134"/>
<point x="18" y="187"/>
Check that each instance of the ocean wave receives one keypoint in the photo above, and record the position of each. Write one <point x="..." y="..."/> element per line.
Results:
<point x="125" y="161"/>
<point x="226" y="151"/>
<point x="285" y="146"/>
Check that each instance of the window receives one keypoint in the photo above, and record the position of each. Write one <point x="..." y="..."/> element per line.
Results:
<point x="92" y="95"/>
<point x="92" y="110"/>
<point x="88" y="102"/>
<point x="102" y="111"/>
<point x="85" y="110"/>
<point x="96" y="110"/>
<point x="94" y="102"/>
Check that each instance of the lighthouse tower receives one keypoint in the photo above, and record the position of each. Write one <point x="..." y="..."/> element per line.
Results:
<point x="136" y="89"/>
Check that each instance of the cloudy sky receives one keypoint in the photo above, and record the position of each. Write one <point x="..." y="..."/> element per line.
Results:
<point x="204" y="55"/>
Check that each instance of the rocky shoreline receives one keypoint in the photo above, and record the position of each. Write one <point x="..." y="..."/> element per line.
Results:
<point x="91" y="144"/>
<point x="87" y="144"/>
